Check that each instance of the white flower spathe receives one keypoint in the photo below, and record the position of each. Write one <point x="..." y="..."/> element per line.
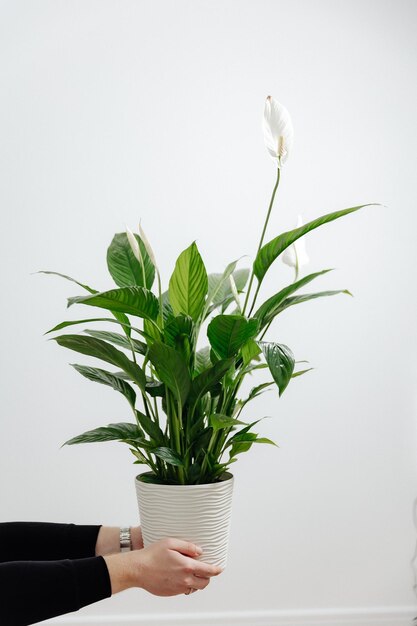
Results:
<point x="296" y="255"/>
<point x="134" y="244"/>
<point x="147" y="245"/>
<point x="278" y="131"/>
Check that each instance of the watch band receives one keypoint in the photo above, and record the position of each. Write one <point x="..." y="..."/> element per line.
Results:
<point x="125" y="540"/>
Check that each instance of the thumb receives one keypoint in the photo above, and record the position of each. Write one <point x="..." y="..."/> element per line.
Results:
<point x="185" y="547"/>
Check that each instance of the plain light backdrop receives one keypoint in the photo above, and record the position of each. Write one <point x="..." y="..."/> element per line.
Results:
<point x="115" y="111"/>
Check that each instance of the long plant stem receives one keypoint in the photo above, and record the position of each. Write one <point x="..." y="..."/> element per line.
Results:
<point x="175" y="428"/>
<point x="271" y="203"/>
<point x="161" y="314"/>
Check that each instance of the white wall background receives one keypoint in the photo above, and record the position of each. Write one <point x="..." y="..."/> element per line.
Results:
<point x="114" y="111"/>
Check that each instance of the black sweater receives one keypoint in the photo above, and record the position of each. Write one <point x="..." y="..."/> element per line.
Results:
<point x="47" y="570"/>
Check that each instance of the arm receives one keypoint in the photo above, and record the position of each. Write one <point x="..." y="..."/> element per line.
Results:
<point x="42" y="541"/>
<point x="32" y="591"/>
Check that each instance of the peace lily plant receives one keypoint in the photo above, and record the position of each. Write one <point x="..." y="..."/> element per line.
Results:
<point x="186" y="401"/>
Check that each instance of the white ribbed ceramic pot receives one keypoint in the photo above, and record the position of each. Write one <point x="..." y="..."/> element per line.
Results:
<point x="197" y="513"/>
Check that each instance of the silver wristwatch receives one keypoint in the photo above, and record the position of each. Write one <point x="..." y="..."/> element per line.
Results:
<point x="125" y="540"/>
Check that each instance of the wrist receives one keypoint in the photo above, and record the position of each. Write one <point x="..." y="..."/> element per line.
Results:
<point x="121" y="571"/>
<point x="136" y="538"/>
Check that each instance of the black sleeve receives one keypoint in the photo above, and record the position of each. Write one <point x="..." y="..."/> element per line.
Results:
<point x="42" y="541"/>
<point x="47" y="570"/>
<point x="33" y="591"/>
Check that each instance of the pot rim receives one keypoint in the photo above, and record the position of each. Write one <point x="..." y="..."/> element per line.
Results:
<point x="226" y="476"/>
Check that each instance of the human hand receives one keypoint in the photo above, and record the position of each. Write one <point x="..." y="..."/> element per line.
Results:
<point x="165" y="568"/>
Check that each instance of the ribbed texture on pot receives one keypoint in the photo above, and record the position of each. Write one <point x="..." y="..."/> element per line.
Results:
<point x="197" y="513"/>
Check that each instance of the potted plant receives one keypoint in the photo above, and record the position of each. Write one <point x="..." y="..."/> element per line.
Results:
<point x="187" y="425"/>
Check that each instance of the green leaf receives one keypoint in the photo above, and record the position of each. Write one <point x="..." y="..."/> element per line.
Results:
<point x="228" y="333"/>
<point x="134" y="300"/>
<point x="306" y="297"/>
<point x="107" y="378"/>
<point x="280" y="361"/>
<point x="155" y="388"/>
<point x="250" y="350"/>
<point x="86" y="287"/>
<point x="219" y="421"/>
<point x="271" y="251"/>
<point x="255" y="391"/>
<point x="188" y="284"/>
<point x="151" y="331"/>
<point x="243" y="443"/>
<point x="301" y="372"/>
<point x="123" y="431"/>
<point x="104" y="351"/>
<point x="91" y="319"/>
<point x="171" y="370"/>
<point x="218" y="284"/>
<point x="119" y="340"/>
<point x="140" y="458"/>
<point x="124" y="267"/>
<point x="151" y="428"/>
<point x="124" y="320"/>
<point x="267" y="310"/>
<point x="177" y="329"/>
<point x="169" y="456"/>
<point x="167" y="311"/>
<point x="243" y="431"/>
<point x="265" y="440"/>
<point x="202" y="360"/>
<point x="205" y="381"/>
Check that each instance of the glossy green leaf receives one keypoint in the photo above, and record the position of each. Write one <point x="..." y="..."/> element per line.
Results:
<point x="167" y="311"/>
<point x="268" y="309"/>
<point x="119" y="340"/>
<point x="280" y="361"/>
<point x="218" y="421"/>
<point x="188" y="284"/>
<point x="104" y="351"/>
<point x="220" y="284"/>
<point x="171" y="370"/>
<point x="179" y="334"/>
<point x="86" y="287"/>
<point x="151" y="428"/>
<point x="228" y="333"/>
<point x="124" y="320"/>
<point x="123" y="431"/>
<point x="271" y="251"/>
<point x="140" y="458"/>
<point x="301" y="372"/>
<point x="254" y="393"/>
<point x="217" y="282"/>
<point x="202" y="360"/>
<point x="87" y="321"/>
<point x="292" y="300"/>
<point x="205" y="381"/>
<point x="107" y="378"/>
<point x="250" y="350"/>
<point x="132" y="300"/>
<point x="169" y="456"/>
<point x="124" y="267"/>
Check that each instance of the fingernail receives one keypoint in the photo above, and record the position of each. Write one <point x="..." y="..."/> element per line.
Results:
<point x="199" y="550"/>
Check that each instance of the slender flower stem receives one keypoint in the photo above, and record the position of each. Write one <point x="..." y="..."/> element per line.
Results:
<point x="161" y="315"/>
<point x="262" y="239"/>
